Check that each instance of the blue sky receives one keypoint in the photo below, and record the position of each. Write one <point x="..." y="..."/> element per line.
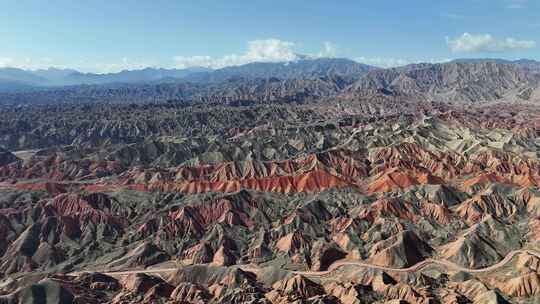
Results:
<point x="105" y="36"/>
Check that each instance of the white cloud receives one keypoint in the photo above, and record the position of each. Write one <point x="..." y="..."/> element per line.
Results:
<point x="83" y="66"/>
<point x="266" y="50"/>
<point x="330" y="50"/>
<point x="5" y="61"/>
<point x="517" y="4"/>
<point x="183" y="62"/>
<point x="26" y="63"/>
<point x="387" y="62"/>
<point x="269" y="50"/>
<point x="470" y="43"/>
<point x="382" y="62"/>
<point x="114" y="67"/>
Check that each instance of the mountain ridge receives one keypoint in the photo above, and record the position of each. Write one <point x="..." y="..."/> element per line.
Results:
<point x="467" y="80"/>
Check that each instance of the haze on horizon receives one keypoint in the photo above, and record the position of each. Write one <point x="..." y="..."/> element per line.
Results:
<point x="100" y="36"/>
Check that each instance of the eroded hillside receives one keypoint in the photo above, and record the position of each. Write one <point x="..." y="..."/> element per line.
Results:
<point x="345" y="202"/>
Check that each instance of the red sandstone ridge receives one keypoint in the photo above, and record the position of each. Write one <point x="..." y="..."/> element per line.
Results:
<point x="313" y="173"/>
<point x="396" y="178"/>
<point x="526" y="285"/>
<point x="483" y="180"/>
<point x="50" y="187"/>
<point x="195" y="220"/>
<point x="487" y="203"/>
<point x="507" y="163"/>
<point x="388" y="207"/>
<point x="411" y="156"/>
<point x="439" y="213"/>
<point x="313" y="181"/>
<point x="94" y="208"/>
<point x="341" y="163"/>
<point x="218" y="211"/>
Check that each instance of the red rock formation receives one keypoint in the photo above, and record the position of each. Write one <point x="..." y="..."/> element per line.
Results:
<point x="403" y="250"/>
<point x="411" y="156"/>
<point x="223" y="257"/>
<point x="293" y="289"/>
<point x="396" y="178"/>
<point x="313" y="181"/>
<point x="526" y="285"/>
<point x="440" y="213"/>
<point x="482" y="180"/>
<point x="491" y="203"/>
<point x="190" y="293"/>
<point x="315" y="172"/>
<point x="140" y="283"/>
<point x="293" y="243"/>
<point x="94" y="208"/>
<point x="51" y="187"/>
<point x="388" y="207"/>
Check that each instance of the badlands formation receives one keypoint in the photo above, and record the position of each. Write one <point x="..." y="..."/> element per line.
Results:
<point x="391" y="198"/>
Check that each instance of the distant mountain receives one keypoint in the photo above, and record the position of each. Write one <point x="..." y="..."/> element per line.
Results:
<point x="134" y="76"/>
<point x="298" y="81"/>
<point x="457" y="81"/>
<point x="522" y="61"/>
<point x="346" y="69"/>
<point x="327" y="69"/>
<point x="20" y="76"/>
<point x="54" y="75"/>
<point x="7" y="85"/>
<point x="526" y="64"/>
<point x="463" y="80"/>
<point x="232" y="91"/>
<point x="13" y="78"/>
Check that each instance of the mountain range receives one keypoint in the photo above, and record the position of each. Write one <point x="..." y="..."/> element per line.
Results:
<point x="462" y="80"/>
<point x="15" y="79"/>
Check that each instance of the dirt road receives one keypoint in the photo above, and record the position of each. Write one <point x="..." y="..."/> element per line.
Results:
<point x="341" y="263"/>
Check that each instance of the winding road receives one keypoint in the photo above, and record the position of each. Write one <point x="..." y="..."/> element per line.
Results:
<point x="341" y="263"/>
